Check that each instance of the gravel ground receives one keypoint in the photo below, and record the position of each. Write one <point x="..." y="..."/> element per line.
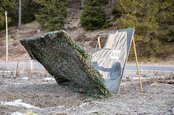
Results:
<point x="40" y="96"/>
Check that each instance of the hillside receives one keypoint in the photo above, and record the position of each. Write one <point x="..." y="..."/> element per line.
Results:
<point x="86" y="39"/>
<point x="16" y="51"/>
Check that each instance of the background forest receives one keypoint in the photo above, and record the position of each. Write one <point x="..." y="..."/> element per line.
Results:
<point x="152" y="19"/>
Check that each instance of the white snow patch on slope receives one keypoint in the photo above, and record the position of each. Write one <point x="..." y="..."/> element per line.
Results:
<point x="49" y="79"/>
<point x="25" y="78"/>
<point x="17" y="113"/>
<point x="19" y="103"/>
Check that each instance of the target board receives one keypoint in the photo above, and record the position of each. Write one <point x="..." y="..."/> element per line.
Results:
<point x="110" y="61"/>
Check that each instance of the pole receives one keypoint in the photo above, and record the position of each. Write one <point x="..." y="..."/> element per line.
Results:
<point x="6" y="21"/>
<point x="137" y="65"/>
<point x="82" y="3"/>
<point x="19" y="18"/>
<point x="31" y="67"/>
<point x="99" y="44"/>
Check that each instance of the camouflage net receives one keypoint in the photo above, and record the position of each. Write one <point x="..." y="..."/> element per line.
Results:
<point x="66" y="61"/>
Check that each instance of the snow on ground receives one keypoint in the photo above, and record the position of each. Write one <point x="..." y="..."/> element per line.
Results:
<point x="43" y="96"/>
<point x="49" y="79"/>
<point x="19" y="103"/>
<point x="17" y="113"/>
<point x="25" y="78"/>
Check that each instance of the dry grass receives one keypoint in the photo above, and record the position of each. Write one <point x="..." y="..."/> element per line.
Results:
<point x="16" y="51"/>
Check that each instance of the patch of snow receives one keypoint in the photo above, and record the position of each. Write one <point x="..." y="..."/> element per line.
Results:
<point x="137" y="78"/>
<point x="83" y="104"/>
<point x="19" y="103"/>
<point x="17" y="83"/>
<point x="5" y="71"/>
<point x="17" y="113"/>
<point x="49" y="79"/>
<point x="92" y="112"/>
<point x="25" y="78"/>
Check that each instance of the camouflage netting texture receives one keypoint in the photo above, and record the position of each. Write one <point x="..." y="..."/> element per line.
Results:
<point x="66" y="61"/>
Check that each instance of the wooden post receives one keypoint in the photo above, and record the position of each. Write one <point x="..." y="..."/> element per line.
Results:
<point x="82" y="4"/>
<point x="6" y="23"/>
<point x="31" y="67"/>
<point x="99" y="45"/>
<point x="137" y="65"/>
<point x="17" y="71"/>
<point x="19" y="15"/>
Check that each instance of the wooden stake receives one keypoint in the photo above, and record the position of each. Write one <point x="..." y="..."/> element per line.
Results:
<point x="17" y="71"/>
<point x="99" y="45"/>
<point x="6" y="21"/>
<point x="31" y="67"/>
<point x="19" y="15"/>
<point x="137" y="65"/>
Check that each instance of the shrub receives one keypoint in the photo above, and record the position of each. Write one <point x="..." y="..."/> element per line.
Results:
<point x="7" y="5"/>
<point x="52" y="14"/>
<point x="29" y="9"/>
<point x="93" y="16"/>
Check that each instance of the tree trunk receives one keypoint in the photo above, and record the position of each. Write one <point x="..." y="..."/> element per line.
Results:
<point x="65" y="60"/>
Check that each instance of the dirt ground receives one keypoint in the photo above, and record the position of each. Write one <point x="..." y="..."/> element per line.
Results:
<point x="39" y="94"/>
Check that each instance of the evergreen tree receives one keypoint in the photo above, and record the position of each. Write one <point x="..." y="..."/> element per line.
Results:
<point x="29" y="9"/>
<point x="165" y="19"/>
<point x="52" y="14"/>
<point x="7" y="5"/>
<point x="93" y="16"/>
<point x="140" y="14"/>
